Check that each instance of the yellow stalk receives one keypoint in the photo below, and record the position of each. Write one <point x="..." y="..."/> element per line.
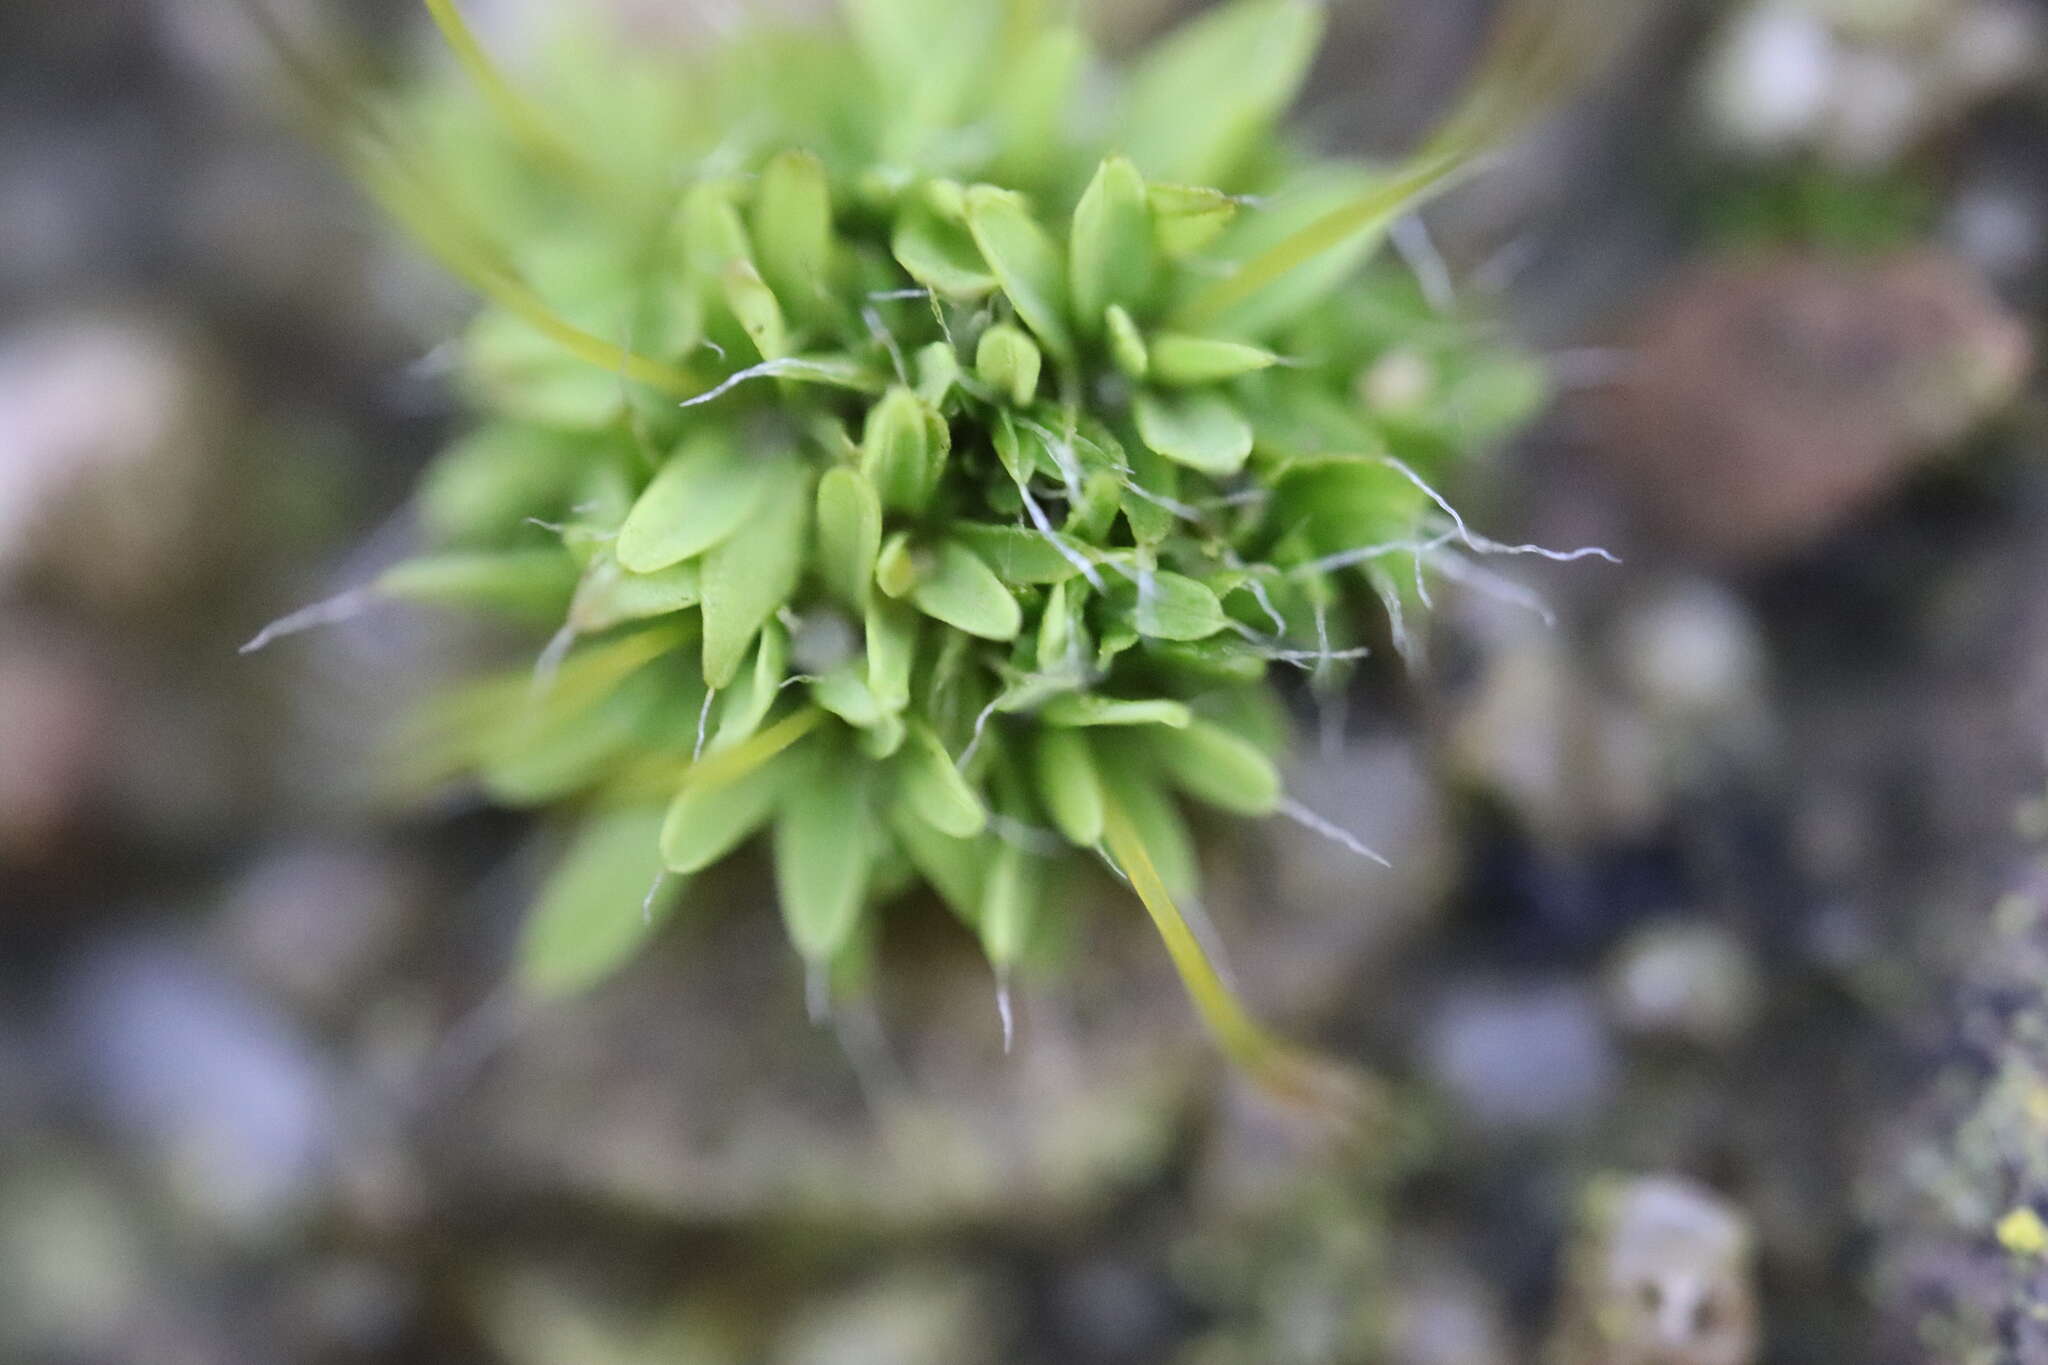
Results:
<point x="1323" y="1085"/>
<point x="519" y="114"/>
<point x="399" y="193"/>
<point x="666" y="777"/>
<point x="1241" y="1037"/>
<point x="1539" y="48"/>
<point x="340" y="119"/>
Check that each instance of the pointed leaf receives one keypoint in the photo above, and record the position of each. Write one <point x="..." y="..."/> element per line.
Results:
<point x="703" y="824"/>
<point x="1182" y="360"/>
<point x="1062" y="635"/>
<point x="1151" y="519"/>
<point x="1170" y="606"/>
<point x="1127" y="344"/>
<point x="744" y="707"/>
<point x="748" y="578"/>
<point x="534" y="584"/>
<point x="896" y="568"/>
<point x="961" y="590"/>
<point x="713" y="235"/>
<point x="1204" y="97"/>
<point x="844" y="692"/>
<point x="1313" y="236"/>
<point x="759" y="313"/>
<point x="1085" y="709"/>
<point x="1018" y="554"/>
<point x="929" y="58"/>
<point x="1112" y="255"/>
<point x="892" y="631"/>
<point x="932" y="786"/>
<point x="849" y="533"/>
<point x="955" y="868"/>
<point x="903" y="450"/>
<point x="491" y="480"/>
<point x="610" y="595"/>
<point x="1213" y="765"/>
<point x="1036" y="98"/>
<point x="1031" y="269"/>
<point x="553" y="752"/>
<point x="1202" y="431"/>
<point x="941" y="257"/>
<point x="593" y="915"/>
<point x="1009" y="362"/>
<point x="1009" y="904"/>
<point x="882" y="739"/>
<point x="938" y="370"/>
<point x="699" y="499"/>
<point x="1068" y="784"/>
<point x="793" y="227"/>
<point x="825" y="846"/>
<point x="1187" y="218"/>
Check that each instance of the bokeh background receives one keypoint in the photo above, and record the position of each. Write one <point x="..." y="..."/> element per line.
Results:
<point x="1710" y="980"/>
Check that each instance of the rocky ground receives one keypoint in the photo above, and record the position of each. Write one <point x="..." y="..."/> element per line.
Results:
<point x="1706" y="983"/>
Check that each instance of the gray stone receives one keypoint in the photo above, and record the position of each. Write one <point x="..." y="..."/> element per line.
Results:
<point x="1683" y="981"/>
<point x="920" y="1315"/>
<point x="1521" y="1054"/>
<point x="1659" y="1272"/>
<point x="227" y="1104"/>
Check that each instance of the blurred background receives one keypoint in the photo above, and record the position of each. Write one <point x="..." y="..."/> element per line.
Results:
<point x="1710" y="978"/>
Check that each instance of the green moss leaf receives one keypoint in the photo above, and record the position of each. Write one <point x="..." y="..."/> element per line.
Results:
<point x="1009" y="362"/>
<point x="748" y="578"/>
<point x="1199" y="430"/>
<point x="826" y="843"/>
<point x="849" y="533"/>
<point x="1171" y="606"/>
<point x="1187" y="218"/>
<point x="845" y="693"/>
<point x="745" y="707"/>
<point x="701" y="497"/>
<point x="1010" y="897"/>
<point x="892" y="636"/>
<point x="1127" y="346"/>
<point x="961" y="590"/>
<point x="1112" y="256"/>
<point x="549" y="753"/>
<point x="956" y="868"/>
<point x="1018" y="554"/>
<point x="903" y="450"/>
<point x="492" y="480"/>
<point x="759" y="312"/>
<point x="611" y="595"/>
<point x="793" y="228"/>
<point x="1308" y="198"/>
<point x="593" y="914"/>
<point x="1182" y="360"/>
<point x="516" y="370"/>
<point x="533" y="584"/>
<point x="1203" y="99"/>
<point x="713" y="234"/>
<point x="1086" y="709"/>
<point x="703" y="825"/>
<point x="941" y="257"/>
<point x="1219" y="768"/>
<point x="1035" y="101"/>
<point x="932" y="786"/>
<point x="1032" y="271"/>
<point x="1068" y="784"/>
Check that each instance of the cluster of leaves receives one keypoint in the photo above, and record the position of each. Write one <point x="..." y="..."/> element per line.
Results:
<point x="934" y="443"/>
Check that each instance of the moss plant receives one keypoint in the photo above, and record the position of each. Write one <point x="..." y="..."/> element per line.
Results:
<point x="926" y="444"/>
